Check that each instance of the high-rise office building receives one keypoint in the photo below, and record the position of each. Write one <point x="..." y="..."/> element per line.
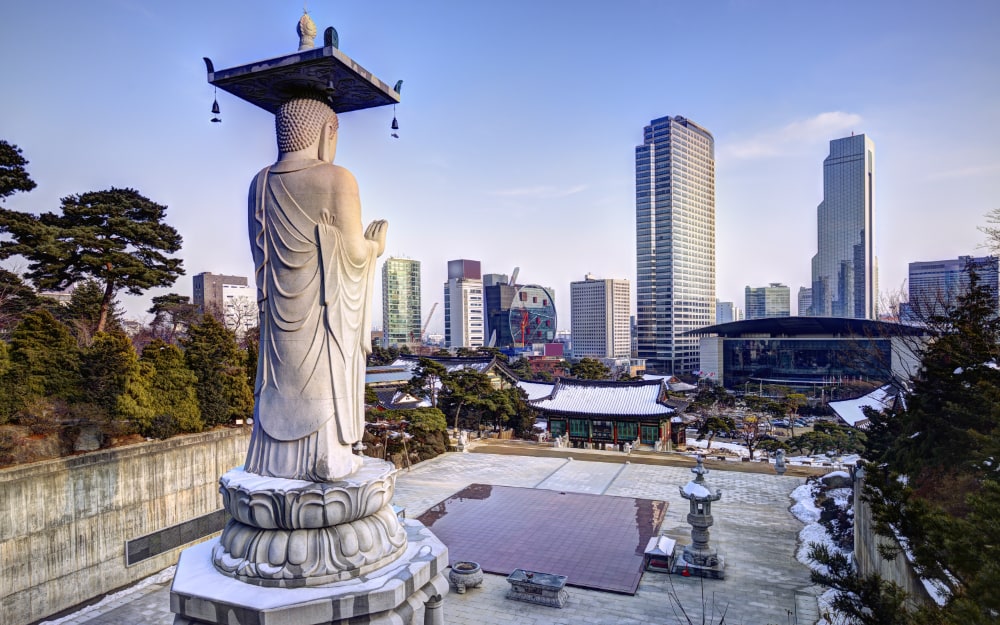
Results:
<point x="463" y="304"/>
<point x="675" y="242"/>
<point x="727" y="311"/>
<point x="844" y="269"/>
<point x="936" y="285"/>
<point x="773" y="300"/>
<point x="805" y="301"/>
<point x="599" y="320"/>
<point x="401" y="302"/>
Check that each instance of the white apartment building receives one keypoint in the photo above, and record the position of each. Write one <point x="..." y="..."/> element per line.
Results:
<point x="464" y="307"/>
<point x="600" y="320"/>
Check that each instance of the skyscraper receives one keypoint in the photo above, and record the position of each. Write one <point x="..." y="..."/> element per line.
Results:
<point x="401" y="302"/>
<point x="936" y="285"/>
<point x="463" y="304"/>
<point x="599" y="310"/>
<point x="773" y="300"/>
<point x="675" y="242"/>
<point x="726" y="312"/>
<point x="844" y="279"/>
<point x="805" y="301"/>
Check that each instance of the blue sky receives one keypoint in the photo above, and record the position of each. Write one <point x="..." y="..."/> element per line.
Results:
<point x="519" y="121"/>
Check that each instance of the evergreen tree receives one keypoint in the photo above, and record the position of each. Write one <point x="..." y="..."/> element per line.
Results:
<point x="932" y="473"/>
<point x="114" y="382"/>
<point x="428" y="377"/>
<point x="172" y="314"/>
<point x="590" y="369"/>
<point x="83" y="312"/>
<point x="172" y="385"/>
<point x="16" y="299"/>
<point x="13" y="175"/>
<point x="116" y="237"/>
<point x="715" y="425"/>
<point x="44" y="361"/>
<point x="211" y="352"/>
<point x="466" y="389"/>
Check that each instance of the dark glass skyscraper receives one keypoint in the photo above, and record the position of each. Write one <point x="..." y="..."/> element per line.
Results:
<point x="844" y="280"/>
<point x="675" y="242"/>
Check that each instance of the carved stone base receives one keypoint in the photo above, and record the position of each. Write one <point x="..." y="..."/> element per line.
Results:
<point x="309" y="557"/>
<point x="409" y="590"/>
<point x="295" y="533"/>
<point x="278" y="503"/>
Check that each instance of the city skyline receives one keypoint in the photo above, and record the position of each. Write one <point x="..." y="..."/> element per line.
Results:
<point x="518" y="123"/>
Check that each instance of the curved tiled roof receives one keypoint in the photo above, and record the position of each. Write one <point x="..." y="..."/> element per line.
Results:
<point x="593" y="397"/>
<point x="536" y="390"/>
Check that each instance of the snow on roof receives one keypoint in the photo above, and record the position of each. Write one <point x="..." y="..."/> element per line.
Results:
<point x="536" y="390"/>
<point x="696" y="490"/>
<point x="852" y="410"/>
<point x="451" y="364"/>
<point x="673" y="383"/>
<point x="605" y="398"/>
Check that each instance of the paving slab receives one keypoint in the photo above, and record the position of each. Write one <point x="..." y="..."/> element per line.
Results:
<point x="753" y="529"/>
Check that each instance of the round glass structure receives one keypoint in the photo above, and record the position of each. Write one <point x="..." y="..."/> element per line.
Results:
<point x="532" y="316"/>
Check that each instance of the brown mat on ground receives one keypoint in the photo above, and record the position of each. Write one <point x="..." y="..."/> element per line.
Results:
<point x="596" y="541"/>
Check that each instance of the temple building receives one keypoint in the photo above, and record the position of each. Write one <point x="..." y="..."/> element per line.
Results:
<point x="595" y="413"/>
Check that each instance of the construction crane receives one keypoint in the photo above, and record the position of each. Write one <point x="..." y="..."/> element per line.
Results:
<point x="513" y="277"/>
<point x="423" y="330"/>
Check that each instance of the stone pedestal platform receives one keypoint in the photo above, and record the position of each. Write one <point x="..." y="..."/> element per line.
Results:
<point x="708" y="569"/>
<point x="407" y="591"/>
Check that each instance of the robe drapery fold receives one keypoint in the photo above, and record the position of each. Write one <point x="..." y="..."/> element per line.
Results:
<point x="315" y="302"/>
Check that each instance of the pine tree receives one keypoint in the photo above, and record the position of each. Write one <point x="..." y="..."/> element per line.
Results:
<point x="932" y="472"/>
<point x="82" y="314"/>
<point x="211" y="352"/>
<point x="116" y="237"/>
<point x="13" y="175"/>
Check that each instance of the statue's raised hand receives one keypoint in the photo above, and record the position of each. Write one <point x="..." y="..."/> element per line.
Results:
<point x="376" y="232"/>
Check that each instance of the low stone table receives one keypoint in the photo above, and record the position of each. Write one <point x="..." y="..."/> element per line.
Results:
<point x="541" y="588"/>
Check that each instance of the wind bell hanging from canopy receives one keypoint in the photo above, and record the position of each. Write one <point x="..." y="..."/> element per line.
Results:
<point x="215" y="108"/>
<point x="395" y="124"/>
<point x="216" y="114"/>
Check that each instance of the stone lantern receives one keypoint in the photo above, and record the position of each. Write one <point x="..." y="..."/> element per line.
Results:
<point x="699" y="558"/>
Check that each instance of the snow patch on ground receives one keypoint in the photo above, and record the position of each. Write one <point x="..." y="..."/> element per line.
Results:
<point x="843" y="497"/>
<point x="805" y="509"/>
<point x="162" y="577"/>
<point x="739" y="450"/>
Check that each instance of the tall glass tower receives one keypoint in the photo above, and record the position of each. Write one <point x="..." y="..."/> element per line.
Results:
<point x="401" y="302"/>
<point x="844" y="270"/>
<point x="675" y="242"/>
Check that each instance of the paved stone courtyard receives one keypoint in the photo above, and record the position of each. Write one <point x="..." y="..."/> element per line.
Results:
<point x="753" y="529"/>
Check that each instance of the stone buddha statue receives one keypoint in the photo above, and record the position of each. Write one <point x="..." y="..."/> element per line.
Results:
<point x="314" y="269"/>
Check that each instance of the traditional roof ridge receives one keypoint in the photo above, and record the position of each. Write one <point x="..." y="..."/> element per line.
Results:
<point x="606" y="383"/>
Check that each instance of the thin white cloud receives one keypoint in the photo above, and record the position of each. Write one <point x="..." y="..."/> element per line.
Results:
<point x="789" y="138"/>
<point x="541" y="192"/>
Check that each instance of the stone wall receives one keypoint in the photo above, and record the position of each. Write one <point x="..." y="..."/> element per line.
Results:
<point x="64" y="523"/>
<point x="866" y="555"/>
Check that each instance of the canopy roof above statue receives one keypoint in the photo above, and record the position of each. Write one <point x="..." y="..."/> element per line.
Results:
<point x="325" y="71"/>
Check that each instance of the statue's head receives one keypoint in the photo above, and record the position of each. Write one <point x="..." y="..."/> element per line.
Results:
<point x="304" y="122"/>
